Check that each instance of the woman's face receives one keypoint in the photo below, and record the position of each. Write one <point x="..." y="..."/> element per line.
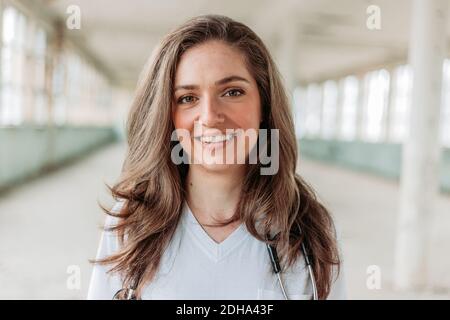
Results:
<point x="216" y="100"/>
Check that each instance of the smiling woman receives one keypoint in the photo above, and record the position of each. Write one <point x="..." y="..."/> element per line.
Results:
<point x="203" y="229"/>
<point x="214" y="107"/>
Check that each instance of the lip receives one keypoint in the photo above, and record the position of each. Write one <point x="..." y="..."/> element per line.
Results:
<point x="213" y="145"/>
<point x="216" y="135"/>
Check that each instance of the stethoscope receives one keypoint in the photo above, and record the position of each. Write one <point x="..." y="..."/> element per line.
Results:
<point x="277" y="270"/>
<point x="129" y="293"/>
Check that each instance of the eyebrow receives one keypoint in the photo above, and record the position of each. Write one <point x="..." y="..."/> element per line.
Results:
<point x="217" y="83"/>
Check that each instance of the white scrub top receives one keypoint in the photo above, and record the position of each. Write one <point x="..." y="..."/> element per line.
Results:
<point x="194" y="267"/>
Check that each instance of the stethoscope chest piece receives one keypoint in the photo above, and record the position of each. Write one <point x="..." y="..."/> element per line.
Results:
<point x="125" y="294"/>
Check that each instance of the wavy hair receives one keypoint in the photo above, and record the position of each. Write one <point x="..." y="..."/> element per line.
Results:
<point x="153" y="187"/>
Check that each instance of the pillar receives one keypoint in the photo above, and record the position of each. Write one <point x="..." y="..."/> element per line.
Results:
<point x="419" y="177"/>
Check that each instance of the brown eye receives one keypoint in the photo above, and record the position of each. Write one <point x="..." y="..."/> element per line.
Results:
<point x="186" y="99"/>
<point x="234" y="93"/>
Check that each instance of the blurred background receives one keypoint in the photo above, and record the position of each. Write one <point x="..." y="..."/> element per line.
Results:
<point x="370" y="88"/>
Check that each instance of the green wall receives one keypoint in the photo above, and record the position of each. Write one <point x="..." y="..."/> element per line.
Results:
<point x="28" y="151"/>
<point x="380" y="158"/>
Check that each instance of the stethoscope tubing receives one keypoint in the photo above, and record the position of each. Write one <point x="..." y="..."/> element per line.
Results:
<point x="277" y="270"/>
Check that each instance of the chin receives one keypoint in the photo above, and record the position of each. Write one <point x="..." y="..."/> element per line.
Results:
<point x="219" y="168"/>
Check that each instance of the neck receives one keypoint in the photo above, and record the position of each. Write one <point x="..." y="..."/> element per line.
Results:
<point x="213" y="195"/>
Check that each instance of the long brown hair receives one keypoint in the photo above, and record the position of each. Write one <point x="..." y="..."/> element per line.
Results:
<point x="153" y="187"/>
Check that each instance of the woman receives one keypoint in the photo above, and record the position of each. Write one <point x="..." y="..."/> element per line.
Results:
<point x="190" y="226"/>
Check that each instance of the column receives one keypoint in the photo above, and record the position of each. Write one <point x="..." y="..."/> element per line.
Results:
<point x="419" y="177"/>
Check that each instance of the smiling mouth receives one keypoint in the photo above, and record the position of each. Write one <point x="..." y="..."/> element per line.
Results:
<point x="215" y="139"/>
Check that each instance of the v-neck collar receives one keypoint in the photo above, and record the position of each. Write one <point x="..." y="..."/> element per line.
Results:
<point x="216" y="251"/>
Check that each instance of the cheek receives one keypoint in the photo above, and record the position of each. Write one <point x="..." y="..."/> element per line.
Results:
<point x="249" y="116"/>
<point x="182" y="119"/>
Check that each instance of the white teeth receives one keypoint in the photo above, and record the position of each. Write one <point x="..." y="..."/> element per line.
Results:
<point x="215" y="139"/>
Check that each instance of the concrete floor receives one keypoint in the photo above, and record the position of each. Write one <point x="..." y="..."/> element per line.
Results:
<point x="365" y="211"/>
<point x="52" y="223"/>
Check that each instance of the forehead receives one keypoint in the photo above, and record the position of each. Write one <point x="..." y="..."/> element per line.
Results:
<point x="210" y="61"/>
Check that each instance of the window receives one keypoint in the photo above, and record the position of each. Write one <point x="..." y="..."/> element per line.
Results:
<point x="445" y="106"/>
<point x="59" y="90"/>
<point x="34" y="107"/>
<point x="81" y="94"/>
<point x="313" y="110"/>
<point x="349" y="107"/>
<point x="299" y="111"/>
<point x="84" y="92"/>
<point x="377" y="98"/>
<point x="74" y="88"/>
<point x="13" y="60"/>
<point x="330" y="108"/>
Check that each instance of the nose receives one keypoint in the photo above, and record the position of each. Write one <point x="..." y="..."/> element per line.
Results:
<point x="210" y="114"/>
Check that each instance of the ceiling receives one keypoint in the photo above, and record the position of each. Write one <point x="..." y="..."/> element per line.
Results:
<point x="332" y="36"/>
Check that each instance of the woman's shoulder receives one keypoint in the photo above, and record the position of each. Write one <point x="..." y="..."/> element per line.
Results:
<point x="116" y="209"/>
<point x="110" y="241"/>
<point x="339" y="287"/>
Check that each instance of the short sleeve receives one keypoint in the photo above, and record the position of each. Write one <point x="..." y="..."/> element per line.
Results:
<point x="338" y="289"/>
<point x="102" y="285"/>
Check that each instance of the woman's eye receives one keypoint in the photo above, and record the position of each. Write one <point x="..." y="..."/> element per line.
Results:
<point x="186" y="99"/>
<point x="234" y="93"/>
